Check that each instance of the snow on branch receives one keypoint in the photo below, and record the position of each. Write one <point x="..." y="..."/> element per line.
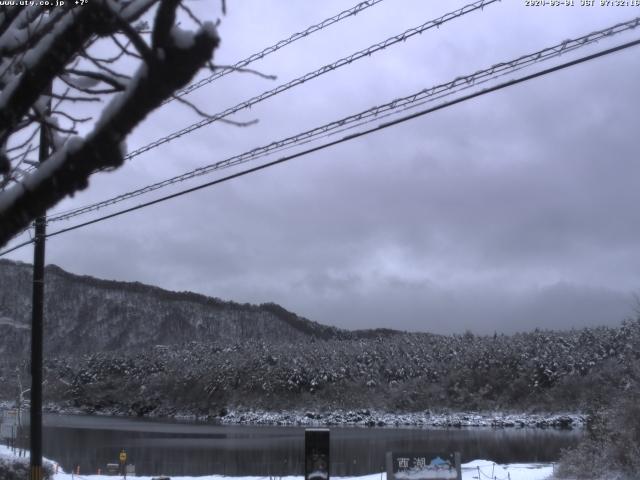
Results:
<point x="42" y="49"/>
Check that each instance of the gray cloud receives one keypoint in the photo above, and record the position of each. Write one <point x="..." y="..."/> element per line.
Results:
<point x="512" y="211"/>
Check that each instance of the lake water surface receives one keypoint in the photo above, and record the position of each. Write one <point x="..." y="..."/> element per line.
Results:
<point x="173" y="448"/>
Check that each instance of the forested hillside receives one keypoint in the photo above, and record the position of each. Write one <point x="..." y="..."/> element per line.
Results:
<point x="134" y="349"/>
<point x="540" y="370"/>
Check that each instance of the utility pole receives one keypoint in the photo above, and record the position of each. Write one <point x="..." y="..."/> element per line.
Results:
<point x="37" y="316"/>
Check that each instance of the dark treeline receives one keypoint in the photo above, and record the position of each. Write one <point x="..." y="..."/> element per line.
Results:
<point x="540" y="370"/>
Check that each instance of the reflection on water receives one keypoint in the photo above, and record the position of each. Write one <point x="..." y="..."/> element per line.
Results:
<point x="162" y="447"/>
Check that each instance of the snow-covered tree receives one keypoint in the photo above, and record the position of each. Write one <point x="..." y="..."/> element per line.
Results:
<point x="60" y="60"/>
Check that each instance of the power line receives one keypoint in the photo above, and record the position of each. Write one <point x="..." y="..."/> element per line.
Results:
<point x="436" y="23"/>
<point x="275" y="47"/>
<point x="349" y="137"/>
<point x="16" y="247"/>
<point x="372" y="114"/>
<point x="266" y="51"/>
<point x="478" y="5"/>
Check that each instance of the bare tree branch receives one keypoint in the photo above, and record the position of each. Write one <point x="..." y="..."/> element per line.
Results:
<point x="124" y="49"/>
<point x="103" y="67"/>
<point x="90" y="91"/>
<point x="72" y="98"/>
<point x="266" y="76"/>
<point x="114" y="82"/>
<point x="69" y="169"/>
<point x="33" y="36"/>
<point x="25" y="143"/>
<point x="71" y="32"/>
<point x="136" y="40"/>
<point x="70" y="117"/>
<point x="10" y="13"/>
<point x="191" y="15"/>
<point x="203" y="114"/>
<point x="163" y="24"/>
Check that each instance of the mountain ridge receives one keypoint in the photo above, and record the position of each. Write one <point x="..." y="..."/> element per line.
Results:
<point x="85" y="313"/>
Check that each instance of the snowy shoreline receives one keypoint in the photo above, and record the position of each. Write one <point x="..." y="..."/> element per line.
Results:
<point x="470" y="470"/>
<point x="372" y="418"/>
<point x="357" y="417"/>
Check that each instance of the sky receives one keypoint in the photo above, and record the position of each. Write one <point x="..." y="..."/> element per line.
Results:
<point x="508" y="212"/>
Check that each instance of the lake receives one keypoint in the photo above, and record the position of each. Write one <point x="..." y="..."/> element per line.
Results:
<point x="175" y="448"/>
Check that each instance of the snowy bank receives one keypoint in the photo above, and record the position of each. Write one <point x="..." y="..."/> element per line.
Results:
<point x="470" y="471"/>
<point x="14" y="466"/>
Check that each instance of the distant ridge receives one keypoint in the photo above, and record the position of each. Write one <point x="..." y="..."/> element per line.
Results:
<point x="85" y="314"/>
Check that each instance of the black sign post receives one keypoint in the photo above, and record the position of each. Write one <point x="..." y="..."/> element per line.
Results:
<point x="419" y="466"/>
<point x="316" y="454"/>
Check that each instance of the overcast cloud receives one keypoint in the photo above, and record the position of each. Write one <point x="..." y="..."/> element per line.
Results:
<point x="508" y="212"/>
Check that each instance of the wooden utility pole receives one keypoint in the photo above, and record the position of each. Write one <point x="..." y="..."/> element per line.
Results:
<point x="37" y="316"/>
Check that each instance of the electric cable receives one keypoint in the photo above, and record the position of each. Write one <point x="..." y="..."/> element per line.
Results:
<point x="344" y="61"/>
<point x="372" y="114"/>
<point x="264" y="52"/>
<point x="275" y="47"/>
<point x="347" y="138"/>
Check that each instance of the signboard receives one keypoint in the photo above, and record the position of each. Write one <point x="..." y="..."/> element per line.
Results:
<point x="419" y="466"/>
<point x="316" y="454"/>
<point x="10" y="416"/>
<point x="7" y="430"/>
<point x="9" y="423"/>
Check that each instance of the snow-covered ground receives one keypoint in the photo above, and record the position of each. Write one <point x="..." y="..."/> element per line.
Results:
<point x="475" y="470"/>
<point x="515" y="472"/>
